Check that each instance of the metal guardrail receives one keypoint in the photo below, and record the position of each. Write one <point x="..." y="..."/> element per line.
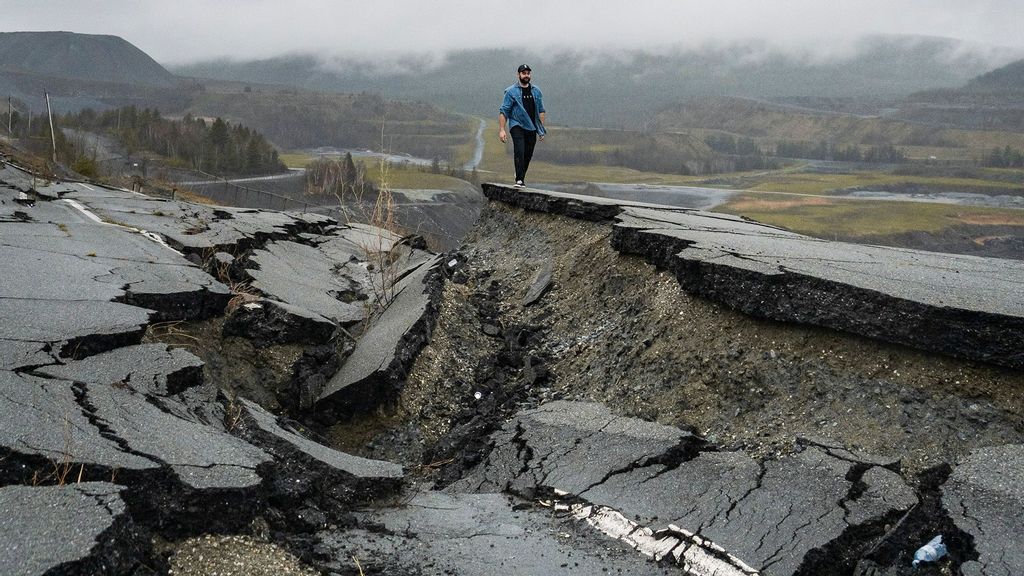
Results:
<point x="224" y="191"/>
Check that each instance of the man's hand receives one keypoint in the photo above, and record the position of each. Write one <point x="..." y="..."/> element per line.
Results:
<point x="502" y="136"/>
<point x="541" y="137"/>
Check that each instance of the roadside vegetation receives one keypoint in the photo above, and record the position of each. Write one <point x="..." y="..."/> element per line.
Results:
<point x="370" y="174"/>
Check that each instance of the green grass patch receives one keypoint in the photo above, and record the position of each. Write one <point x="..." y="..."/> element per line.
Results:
<point x="399" y="176"/>
<point x="411" y="177"/>
<point x="296" y="159"/>
<point x="834" y="217"/>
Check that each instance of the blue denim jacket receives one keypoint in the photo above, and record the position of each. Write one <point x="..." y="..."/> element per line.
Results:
<point x="512" y="108"/>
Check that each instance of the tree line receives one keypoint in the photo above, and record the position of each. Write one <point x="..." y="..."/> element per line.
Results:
<point x="217" y="147"/>
<point x="339" y="177"/>
<point x="1004" y="158"/>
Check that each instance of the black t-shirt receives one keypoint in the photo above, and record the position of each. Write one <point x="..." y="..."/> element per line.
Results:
<point x="529" y="104"/>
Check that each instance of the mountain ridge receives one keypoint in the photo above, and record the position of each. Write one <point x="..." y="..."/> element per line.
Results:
<point x="1007" y="78"/>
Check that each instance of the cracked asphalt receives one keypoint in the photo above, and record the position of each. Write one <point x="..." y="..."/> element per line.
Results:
<point x="818" y="433"/>
<point x="622" y="414"/>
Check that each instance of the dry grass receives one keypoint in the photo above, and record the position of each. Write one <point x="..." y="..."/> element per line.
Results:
<point x="772" y="204"/>
<point x="827" y="217"/>
<point x="195" y="198"/>
<point x="378" y="252"/>
<point x="232" y="415"/>
<point x="243" y="293"/>
<point x="242" y="290"/>
<point x="982" y="240"/>
<point x="197" y="227"/>
<point x="172" y="334"/>
<point x="62" y="465"/>
<point x="992" y="219"/>
<point x="383" y="282"/>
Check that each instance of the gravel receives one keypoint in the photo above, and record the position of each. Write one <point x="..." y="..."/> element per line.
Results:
<point x="234" y="556"/>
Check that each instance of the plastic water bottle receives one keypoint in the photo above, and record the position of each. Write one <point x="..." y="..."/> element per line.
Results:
<point x="930" y="552"/>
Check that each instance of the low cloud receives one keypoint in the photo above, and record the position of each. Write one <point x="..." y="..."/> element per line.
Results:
<point x="190" y="30"/>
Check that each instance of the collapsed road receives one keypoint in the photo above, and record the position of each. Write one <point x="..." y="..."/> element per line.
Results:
<point x="584" y="386"/>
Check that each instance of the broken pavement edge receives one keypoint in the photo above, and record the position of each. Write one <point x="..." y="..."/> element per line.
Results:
<point x="793" y="297"/>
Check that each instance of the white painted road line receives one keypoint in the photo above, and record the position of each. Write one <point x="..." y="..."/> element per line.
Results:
<point x="89" y="214"/>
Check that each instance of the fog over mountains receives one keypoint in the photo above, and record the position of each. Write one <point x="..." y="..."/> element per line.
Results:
<point x="617" y="88"/>
<point x="614" y="88"/>
<point x="1009" y="77"/>
<point x="191" y="30"/>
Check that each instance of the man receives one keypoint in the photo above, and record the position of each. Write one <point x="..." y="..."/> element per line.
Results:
<point x="523" y="111"/>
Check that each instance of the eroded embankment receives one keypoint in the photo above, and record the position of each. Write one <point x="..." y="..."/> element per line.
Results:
<point x="614" y="329"/>
<point x="847" y="446"/>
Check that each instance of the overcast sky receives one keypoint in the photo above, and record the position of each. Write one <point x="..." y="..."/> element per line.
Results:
<point x="181" y="31"/>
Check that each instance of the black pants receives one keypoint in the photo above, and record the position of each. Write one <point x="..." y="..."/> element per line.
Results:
<point x="523" y="142"/>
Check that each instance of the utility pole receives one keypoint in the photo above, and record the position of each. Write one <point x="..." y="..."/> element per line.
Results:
<point x="53" y="135"/>
<point x="10" y="114"/>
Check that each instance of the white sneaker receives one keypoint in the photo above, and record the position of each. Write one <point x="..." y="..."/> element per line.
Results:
<point x="519" y="184"/>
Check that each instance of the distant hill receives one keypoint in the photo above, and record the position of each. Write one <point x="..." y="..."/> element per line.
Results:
<point x="993" y="100"/>
<point x="81" y="57"/>
<point x="1009" y="78"/>
<point x="81" y="71"/>
<point x="622" y="89"/>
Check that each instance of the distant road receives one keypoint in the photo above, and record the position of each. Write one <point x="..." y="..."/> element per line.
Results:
<point x="478" y="153"/>
<point x="292" y="173"/>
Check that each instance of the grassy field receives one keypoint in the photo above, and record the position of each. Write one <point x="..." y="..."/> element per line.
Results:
<point x="804" y="183"/>
<point x="834" y="217"/>
<point x="413" y="178"/>
<point x="801" y="202"/>
<point x="296" y="159"/>
<point x="398" y="176"/>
